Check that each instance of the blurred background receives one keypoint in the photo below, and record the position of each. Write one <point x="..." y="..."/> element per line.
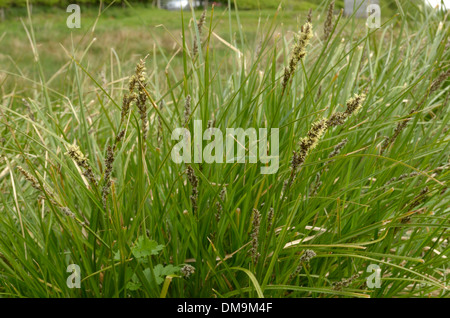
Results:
<point x="125" y="30"/>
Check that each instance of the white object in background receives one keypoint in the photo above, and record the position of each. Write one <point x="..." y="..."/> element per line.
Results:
<point x="360" y="6"/>
<point x="179" y="4"/>
<point x="438" y="3"/>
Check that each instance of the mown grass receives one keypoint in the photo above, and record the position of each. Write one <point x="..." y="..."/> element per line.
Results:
<point x="140" y="242"/>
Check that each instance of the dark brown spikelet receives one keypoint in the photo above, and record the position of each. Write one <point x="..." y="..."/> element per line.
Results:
<point x="345" y="282"/>
<point x="419" y="198"/>
<point x="401" y="177"/>
<point x="316" y="185"/>
<point x="304" y="259"/>
<point x="400" y="127"/>
<point x="412" y="205"/>
<point x="309" y="17"/>
<point x="36" y="185"/>
<point x="109" y="160"/>
<point x="34" y="182"/>
<point x="193" y="180"/>
<point x="256" y="223"/>
<point x="219" y="206"/>
<point x="328" y="25"/>
<point x="402" y="124"/>
<point x="107" y="178"/>
<point x="119" y="137"/>
<point x="187" y="110"/>
<point x="126" y="104"/>
<point x="270" y="216"/>
<point x="312" y="139"/>
<point x="200" y="24"/>
<point x="439" y="80"/>
<point x="67" y="212"/>
<point x="337" y="149"/>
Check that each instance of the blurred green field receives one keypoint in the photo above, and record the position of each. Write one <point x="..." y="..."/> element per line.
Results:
<point x="127" y="32"/>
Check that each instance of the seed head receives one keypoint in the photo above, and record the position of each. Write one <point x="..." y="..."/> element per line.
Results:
<point x="254" y="236"/>
<point x="80" y="159"/>
<point x="314" y="134"/>
<point x="200" y="24"/>
<point x="304" y="259"/>
<point x="75" y="153"/>
<point x="298" y="52"/>
<point x="307" y="256"/>
<point x="66" y="211"/>
<point x="187" y="110"/>
<point x="439" y="80"/>
<point x="345" y="282"/>
<point x="193" y="180"/>
<point x="309" y="17"/>
<point x="400" y="127"/>
<point x="307" y="144"/>
<point x="187" y="270"/>
<point x="328" y="26"/>
<point x="354" y="104"/>
<point x="34" y="182"/>
<point x="142" y="96"/>
<point x="219" y="206"/>
<point x="337" y="149"/>
<point x="419" y="198"/>
<point x="126" y="103"/>
<point x="270" y="216"/>
<point x="107" y="178"/>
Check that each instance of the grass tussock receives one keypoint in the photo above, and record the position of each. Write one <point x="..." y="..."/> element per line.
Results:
<point x="86" y="175"/>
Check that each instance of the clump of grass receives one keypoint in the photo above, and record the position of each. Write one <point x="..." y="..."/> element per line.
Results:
<point x="135" y="233"/>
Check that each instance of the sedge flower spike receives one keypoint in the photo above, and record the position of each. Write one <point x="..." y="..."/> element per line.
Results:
<point x="298" y="52"/>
